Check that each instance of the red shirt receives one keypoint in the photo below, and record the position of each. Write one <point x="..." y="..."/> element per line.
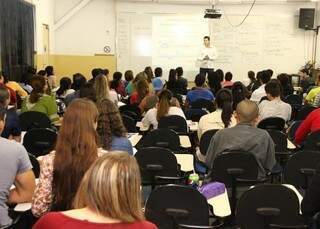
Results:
<point x="56" y="220"/>
<point x="309" y="125"/>
<point x="12" y="93"/>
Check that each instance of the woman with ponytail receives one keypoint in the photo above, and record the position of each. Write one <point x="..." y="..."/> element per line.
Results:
<point x="221" y="117"/>
<point x="166" y="106"/>
<point x="239" y="93"/>
<point x="39" y="101"/>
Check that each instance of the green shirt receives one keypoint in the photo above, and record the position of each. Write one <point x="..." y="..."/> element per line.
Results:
<point x="46" y="104"/>
<point x="312" y="95"/>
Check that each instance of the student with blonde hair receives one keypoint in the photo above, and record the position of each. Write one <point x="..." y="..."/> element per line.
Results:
<point x="108" y="197"/>
<point x="103" y="91"/>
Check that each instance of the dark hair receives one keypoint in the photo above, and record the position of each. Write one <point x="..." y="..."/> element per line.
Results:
<point x="3" y="112"/>
<point x="37" y="83"/>
<point x="206" y="37"/>
<point x="42" y="73"/>
<point x="28" y="74"/>
<point x="284" y="79"/>
<point x="165" y="97"/>
<point x="4" y="96"/>
<point x="214" y="82"/>
<point x="31" y="70"/>
<point x="239" y="93"/>
<point x="65" y="84"/>
<point x="251" y="75"/>
<point x="128" y="75"/>
<point x="158" y="72"/>
<point x="95" y="72"/>
<point x="172" y="80"/>
<point x="78" y="81"/>
<point x="114" y="84"/>
<point x="224" y="102"/>
<point x="179" y="71"/>
<point x="273" y="88"/>
<point x="149" y="72"/>
<point x="49" y="70"/>
<point x="172" y="75"/>
<point x="220" y="74"/>
<point x="228" y="76"/>
<point x="105" y="72"/>
<point x="270" y="72"/>
<point x="265" y="77"/>
<point x="4" y="76"/>
<point x="87" y="91"/>
<point x="117" y="76"/>
<point x="200" y="80"/>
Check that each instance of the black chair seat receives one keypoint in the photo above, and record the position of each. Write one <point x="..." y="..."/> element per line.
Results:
<point x="174" y="122"/>
<point x="129" y="123"/>
<point x="272" y="123"/>
<point x="162" y="137"/>
<point x="32" y="119"/>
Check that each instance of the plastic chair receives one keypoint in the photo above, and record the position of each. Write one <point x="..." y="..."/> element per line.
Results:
<point x="304" y="112"/>
<point x="268" y="204"/>
<point x="203" y="104"/>
<point x="35" y="165"/>
<point x="205" y="140"/>
<point x="174" y="122"/>
<point x="39" y="142"/>
<point x="160" y="137"/>
<point x="292" y="129"/>
<point x="312" y="142"/>
<point x="158" y="166"/>
<point x="32" y="119"/>
<point x="129" y="123"/>
<point x="272" y="123"/>
<point x="195" y="114"/>
<point x="294" y="100"/>
<point x="300" y="168"/>
<point x="171" y="205"/>
<point x="132" y="108"/>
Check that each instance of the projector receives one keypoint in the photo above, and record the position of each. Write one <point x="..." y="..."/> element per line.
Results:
<point x="212" y="13"/>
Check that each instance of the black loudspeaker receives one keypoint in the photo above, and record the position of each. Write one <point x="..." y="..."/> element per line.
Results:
<point x="306" y="18"/>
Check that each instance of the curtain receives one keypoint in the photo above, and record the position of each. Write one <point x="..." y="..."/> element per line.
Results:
<point x="16" y="37"/>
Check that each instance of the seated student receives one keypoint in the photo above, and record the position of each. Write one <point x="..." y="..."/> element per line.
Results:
<point x="182" y="82"/>
<point x="26" y="78"/>
<point x="102" y="90"/>
<point x="309" y="125"/>
<point x="172" y="83"/>
<point x="118" y="84"/>
<point x="111" y="129"/>
<point x="166" y="106"/>
<point x="306" y="81"/>
<point x="78" y="81"/>
<point x="13" y="96"/>
<point x="313" y="93"/>
<point x="39" y="101"/>
<point x="62" y="169"/>
<point x="214" y="82"/>
<point x="239" y="93"/>
<point x="12" y="127"/>
<point x="227" y="80"/>
<point x="254" y="83"/>
<point x="15" y="168"/>
<point x="51" y="77"/>
<point x="287" y="88"/>
<point x="65" y="88"/>
<point x="221" y="117"/>
<point x="128" y="75"/>
<point x="200" y="91"/>
<point x="108" y="197"/>
<point x="257" y="95"/>
<point x="95" y="72"/>
<point x="245" y="136"/>
<point x="157" y="81"/>
<point x="143" y="97"/>
<point x="274" y="106"/>
<point x="13" y="85"/>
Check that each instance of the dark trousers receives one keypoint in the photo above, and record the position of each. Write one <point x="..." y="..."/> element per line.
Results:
<point x="205" y="71"/>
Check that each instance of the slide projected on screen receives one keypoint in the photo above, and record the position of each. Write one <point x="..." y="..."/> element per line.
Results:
<point x="177" y="40"/>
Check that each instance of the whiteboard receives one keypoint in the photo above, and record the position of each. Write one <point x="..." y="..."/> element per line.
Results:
<point x="173" y="40"/>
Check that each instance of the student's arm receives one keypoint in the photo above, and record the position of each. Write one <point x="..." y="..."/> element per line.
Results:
<point x="270" y="160"/>
<point x="25" y="185"/>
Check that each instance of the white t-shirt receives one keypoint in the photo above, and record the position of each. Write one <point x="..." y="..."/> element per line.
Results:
<point x="113" y="95"/>
<point x="151" y="116"/>
<point x="211" y="52"/>
<point x="258" y="94"/>
<point x="275" y="108"/>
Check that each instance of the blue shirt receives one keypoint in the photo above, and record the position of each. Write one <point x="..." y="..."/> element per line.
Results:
<point x="157" y="84"/>
<point x="199" y="93"/>
<point x="121" y="144"/>
<point x="12" y="125"/>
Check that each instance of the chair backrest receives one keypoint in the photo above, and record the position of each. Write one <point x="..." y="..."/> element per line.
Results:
<point x="33" y="119"/>
<point x="183" y="203"/>
<point x="267" y="204"/>
<point x="292" y="129"/>
<point x="156" y="161"/>
<point x="39" y="142"/>
<point x="174" y="122"/>
<point x="242" y="165"/>
<point x="162" y="137"/>
<point x="132" y="108"/>
<point x="35" y="165"/>
<point x="304" y="112"/>
<point x="279" y="139"/>
<point x="272" y="123"/>
<point x="203" y="104"/>
<point x="205" y="140"/>
<point x="300" y="168"/>
<point x="313" y="142"/>
<point x="294" y="100"/>
<point x="129" y="123"/>
<point x="195" y="114"/>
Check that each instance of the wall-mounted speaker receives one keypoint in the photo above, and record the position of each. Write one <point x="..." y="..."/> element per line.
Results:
<point x="306" y="18"/>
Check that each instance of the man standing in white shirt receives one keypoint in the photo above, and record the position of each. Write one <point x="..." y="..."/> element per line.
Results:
<point x="207" y="56"/>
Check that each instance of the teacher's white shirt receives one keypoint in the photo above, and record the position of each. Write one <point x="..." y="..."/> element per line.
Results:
<point x="211" y="52"/>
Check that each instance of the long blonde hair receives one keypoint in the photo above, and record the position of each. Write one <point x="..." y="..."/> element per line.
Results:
<point x="111" y="187"/>
<point x="101" y="87"/>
